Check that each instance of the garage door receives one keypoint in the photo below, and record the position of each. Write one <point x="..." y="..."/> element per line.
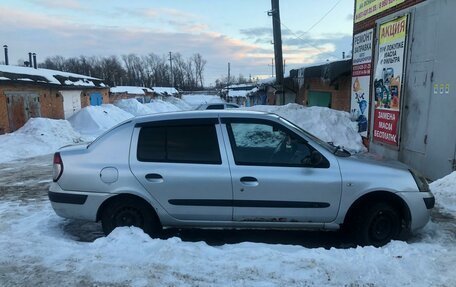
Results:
<point x="21" y="107"/>
<point x="319" y="99"/>
<point x="71" y="102"/>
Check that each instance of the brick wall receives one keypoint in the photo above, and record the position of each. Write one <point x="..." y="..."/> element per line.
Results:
<point x="51" y="101"/>
<point x="4" y="125"/>
<point x="340" y="92"/>
<point x="85" y="96"/>
<point x="50" y="105"/>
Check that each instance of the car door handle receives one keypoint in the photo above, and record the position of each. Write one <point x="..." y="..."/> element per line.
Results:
<point x="249" y="181"/>
<point x="154" y="177"/>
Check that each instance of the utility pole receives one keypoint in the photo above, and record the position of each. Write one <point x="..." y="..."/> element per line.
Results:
<point x="277" y="33"/>
<point x="272" y="67"/>
<point x="171" y="67"/>
<point x="229" y="75"/>
<point x="284" y="65"/>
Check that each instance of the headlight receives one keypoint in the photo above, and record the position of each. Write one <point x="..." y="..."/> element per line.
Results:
<point x="420" y="180"/>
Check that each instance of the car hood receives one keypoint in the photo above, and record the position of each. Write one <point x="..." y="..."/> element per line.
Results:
<point x="377" y="160"/>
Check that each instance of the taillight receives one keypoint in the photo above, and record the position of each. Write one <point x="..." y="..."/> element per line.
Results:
<point x="57" y="167"/>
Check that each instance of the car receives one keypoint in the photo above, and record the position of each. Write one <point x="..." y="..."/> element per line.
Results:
<point x="218" y="106"/>
<point x="235" y="169"/>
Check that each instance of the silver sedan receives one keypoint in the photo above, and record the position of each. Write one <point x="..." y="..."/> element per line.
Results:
<point x="235" y="169"/>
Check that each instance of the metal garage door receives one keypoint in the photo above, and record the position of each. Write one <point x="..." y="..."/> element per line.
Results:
<point x="319" y="99"/>
<point x="96" y="99"/>
<point x="71" y="102"/>
<point x="21" y="107"/>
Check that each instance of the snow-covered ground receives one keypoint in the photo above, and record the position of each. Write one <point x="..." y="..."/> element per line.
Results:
<point x="38" y="248"/>
<point x="198" y="99"/>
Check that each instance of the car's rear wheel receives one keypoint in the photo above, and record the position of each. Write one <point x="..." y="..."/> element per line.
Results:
<point x="377" y="224"/>
<point x="129" y="212"/>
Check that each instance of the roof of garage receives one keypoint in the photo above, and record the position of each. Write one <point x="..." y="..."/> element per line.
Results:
<point x="46" y="76"/>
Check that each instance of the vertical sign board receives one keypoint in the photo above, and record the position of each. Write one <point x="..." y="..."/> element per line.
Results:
<point x="368" y="8"/>
<point x="361" y="79"/>
<point x="388" y="80"/>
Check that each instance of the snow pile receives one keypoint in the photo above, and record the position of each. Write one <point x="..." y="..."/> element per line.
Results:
<point x="327" y="124"/>
<point x="133" y="107"/>
<point x="159" y="106"/>
<point x="444" y="191"/>
<point x="196" y="100"/>
<point x="128" y="257"/>
<point x="92" y="121"/>
<point x="39" y="136"/>
<point x="181" y="104"/>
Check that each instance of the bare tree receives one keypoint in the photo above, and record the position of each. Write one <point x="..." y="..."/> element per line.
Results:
<point x="200" y="63"/>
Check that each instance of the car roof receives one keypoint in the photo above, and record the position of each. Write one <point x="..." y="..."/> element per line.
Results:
<point x="204" y="114"/>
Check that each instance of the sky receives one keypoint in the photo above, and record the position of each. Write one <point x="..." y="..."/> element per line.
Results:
<point x="238" y="32"/>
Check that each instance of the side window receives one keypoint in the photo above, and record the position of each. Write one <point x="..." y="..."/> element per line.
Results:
<point x="179" y="144"/>
<point x="267" y="144"/>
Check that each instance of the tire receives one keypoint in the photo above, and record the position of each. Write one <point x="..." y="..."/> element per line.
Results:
<point x="130" y="212"/>
<point x="377" y="224"/>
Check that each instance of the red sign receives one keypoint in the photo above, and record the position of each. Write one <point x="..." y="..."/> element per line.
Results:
<point x="385" y="126"/>
<point x="362" y="70"/>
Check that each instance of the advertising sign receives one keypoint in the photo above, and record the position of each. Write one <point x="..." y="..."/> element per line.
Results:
<point x="361" y="79"/>
<point x="388" y="80"/>
<point x="369" y="8"/>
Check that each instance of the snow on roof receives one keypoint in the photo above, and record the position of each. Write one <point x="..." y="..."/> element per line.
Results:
<point x="131" y="90"/>
<point x="17" y="73"/>
<point x="241" y="93"/>
<point x="240" y="86"/>
<point x="165" y="91"/>
<point x="267" y="81"/>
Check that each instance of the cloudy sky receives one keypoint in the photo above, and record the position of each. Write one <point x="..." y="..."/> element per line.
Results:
<point x="235" y="31"/>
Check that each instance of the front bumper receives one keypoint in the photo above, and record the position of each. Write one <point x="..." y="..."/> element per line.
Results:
<point x="420" y="205"/>
<point x="76" y="204"/>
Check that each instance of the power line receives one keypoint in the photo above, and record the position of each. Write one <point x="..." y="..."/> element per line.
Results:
<point x="313" y="26"/>
<point x="322" y="18"/>
<point x="309" y="44"/>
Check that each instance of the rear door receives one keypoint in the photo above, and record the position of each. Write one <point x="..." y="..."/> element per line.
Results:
<point x="183" y="164"/>
<point x="273" y="179"/>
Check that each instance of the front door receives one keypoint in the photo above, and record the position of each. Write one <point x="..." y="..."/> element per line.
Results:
<point x="273" y="177"/>
<point x="183" y="165"/>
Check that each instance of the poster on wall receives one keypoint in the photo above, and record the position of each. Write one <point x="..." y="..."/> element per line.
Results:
<point x="388" y="80"/>
<point x="368" y="8"/>
<point x="361" y="79"/>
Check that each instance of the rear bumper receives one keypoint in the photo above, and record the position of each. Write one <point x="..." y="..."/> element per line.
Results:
<point x="75" y="204"/>
<point x="60" y="197"/>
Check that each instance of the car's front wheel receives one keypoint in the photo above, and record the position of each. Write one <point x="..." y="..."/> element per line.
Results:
<point x="377" y="224"/>
<point x="129" y="212"/>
